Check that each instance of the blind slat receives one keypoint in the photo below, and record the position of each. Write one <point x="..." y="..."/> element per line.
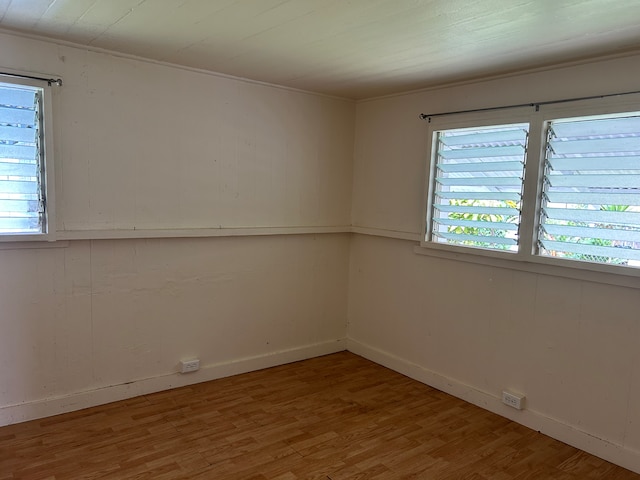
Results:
<point x="17" y="116"/>
<point x="19" y="169"/>
<point x="595" y="163"/>
<point x="19" y="152"/>
<point x="595" y="181"/>
<point x="603" y="126"/>
<point x="17" y="134"/>
<point x="592" y="250"/>
<point x="477" y="238"/>
<point x="484" y="137"/>
<point x="9" y="186"/>
<point x="589" y="232"/>
<point x="20" y="225"/>
<point x="481" y="181"/>
<point x="16" y="97"/>
<point x="481" y="167"/>
<point x="589" y="198"/>
<point x="488" y="195"/>
<point x="596" y="145"/>
<point x="477" y="224"/>
<point x="486" y="152"/>
<point x="593" y="216"/>
<point x="17" y="206"/>
<point x="478" y="210"/>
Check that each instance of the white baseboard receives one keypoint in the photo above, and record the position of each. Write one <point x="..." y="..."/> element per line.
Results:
<point x="90" y="398"/>
<point x="554" y="428"/>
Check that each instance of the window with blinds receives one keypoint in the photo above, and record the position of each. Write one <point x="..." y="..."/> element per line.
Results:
<point x="478" y="182"/>
<point x="591" y="192"/>
<point x="22" y="192"/>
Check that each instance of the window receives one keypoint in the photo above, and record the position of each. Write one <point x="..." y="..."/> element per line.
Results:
<point x="478" y="186"/>
<point x="571" y="196"/>
<point x="25" y="162"/>
<point x="591" y="191"/>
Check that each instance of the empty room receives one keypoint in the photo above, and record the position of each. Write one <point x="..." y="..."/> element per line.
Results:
<point x="239" y="239"/>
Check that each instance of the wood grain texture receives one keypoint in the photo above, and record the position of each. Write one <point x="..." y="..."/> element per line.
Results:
<point x="335" y="417"/>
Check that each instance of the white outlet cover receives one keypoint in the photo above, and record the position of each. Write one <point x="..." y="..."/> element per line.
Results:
<point x="187" y="366"/>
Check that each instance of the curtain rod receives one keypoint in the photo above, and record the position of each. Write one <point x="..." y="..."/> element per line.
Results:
<point x="537" y="105"/>
<point x="50" y="81"/>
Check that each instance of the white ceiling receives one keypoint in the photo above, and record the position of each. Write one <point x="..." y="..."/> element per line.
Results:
<point x="348" y="48"/>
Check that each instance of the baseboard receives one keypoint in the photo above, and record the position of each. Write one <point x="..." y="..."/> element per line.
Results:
<point x="76" y="401"/>
<point x="554" y="428"/>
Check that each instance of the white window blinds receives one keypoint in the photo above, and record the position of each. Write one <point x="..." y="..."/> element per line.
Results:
<point x="21" y="160"/>
<point x="591" y="192"/>
<point x="478" y="186"/>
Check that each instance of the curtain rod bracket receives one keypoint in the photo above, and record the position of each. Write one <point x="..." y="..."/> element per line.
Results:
<point x="50" y="81"/>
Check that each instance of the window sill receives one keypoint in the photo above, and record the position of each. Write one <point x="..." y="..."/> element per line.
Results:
<point x="31" y="244"/>
<point x="629" y="277"/>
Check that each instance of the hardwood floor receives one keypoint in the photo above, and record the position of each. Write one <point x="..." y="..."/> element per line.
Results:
<point x="330" y="418"/>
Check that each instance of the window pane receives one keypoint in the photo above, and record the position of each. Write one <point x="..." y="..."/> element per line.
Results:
<point x="591" y="193"/>
<point x="478" y="186"/>
<point x="21" y="195"/>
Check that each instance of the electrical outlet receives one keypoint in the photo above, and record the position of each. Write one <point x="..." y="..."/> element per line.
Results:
<point x="187" y="366"/>
<point x="514" y="400"/>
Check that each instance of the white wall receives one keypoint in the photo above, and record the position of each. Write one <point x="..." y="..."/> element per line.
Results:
<point x="148" y="146"/>
<point x="151" y="147"/>
<point x="191" y="150"/>
<point x="570" y="345"/>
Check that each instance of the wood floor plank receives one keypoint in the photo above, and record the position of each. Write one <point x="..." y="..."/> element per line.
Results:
<point x="338" y="417"/>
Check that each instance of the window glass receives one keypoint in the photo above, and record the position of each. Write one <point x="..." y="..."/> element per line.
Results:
<point x="591" y="190"/>
<point x="22" y="185"/>
<point x="477" y="191"/>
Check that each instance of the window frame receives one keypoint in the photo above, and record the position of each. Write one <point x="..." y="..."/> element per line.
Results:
<point x="433" y="189"/>
<point x="46" y="163"/>
<point x="538" y="119"/>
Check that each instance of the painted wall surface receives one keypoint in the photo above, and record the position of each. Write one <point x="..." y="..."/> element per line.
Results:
<point x="104" y="313"/>
<point x="570" y="345"/>
<point x="146" y="146"/>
